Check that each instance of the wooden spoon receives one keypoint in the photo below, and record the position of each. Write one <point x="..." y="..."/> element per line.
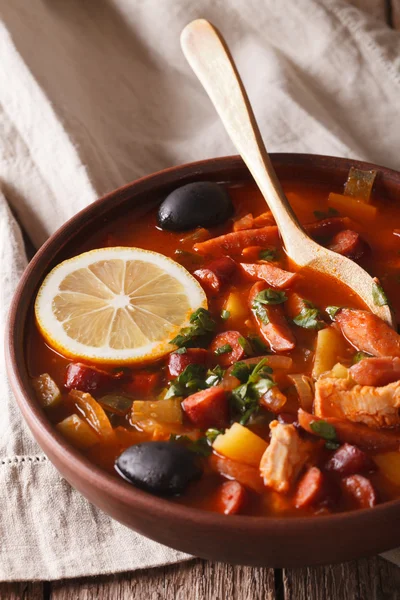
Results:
<point x="210" y="59"/>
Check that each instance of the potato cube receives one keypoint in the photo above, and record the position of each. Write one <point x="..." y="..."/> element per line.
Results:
<point x="77" y="432"/>
<point x="330" y="346"/>
<point x="47" y="391"/>
<point x="240" y="444"/>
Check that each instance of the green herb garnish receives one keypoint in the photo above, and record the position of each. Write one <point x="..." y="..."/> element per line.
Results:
<point x="257" y="344"/>
<point x="191" y="380"/>
<point x="360" y="356"/>
<point x="256" y="381"/>
<point x="327" y="432"/>
<point x="214" y="376"/>
<point x="212" y="434"/>
<point x="378" y="295"/>
<point x="309" y="318"/>
<point x="248" y="350"/>
<point x="201" y="324"/>
<point x="225" y="314"/>
<point x="332" y="311"/>
<point x="270" y="296"/>
<point x="182" y="350"/>
<point x="268" y="254"/>
<point x="223" y="349"/>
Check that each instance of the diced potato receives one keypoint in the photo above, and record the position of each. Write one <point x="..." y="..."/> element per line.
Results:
<point x="236" y="306"/>
<point x="351" y="207"/>
<point x="339" y="371"/>
<point x="47" y="391"/>
<point x="77" y="432"/>
<point x="330" y="345"/>
<point x="167" y="410"/>
<point x="389" y="465"/>
<point x="240" y="444"/>
<point x="93" y="413"/>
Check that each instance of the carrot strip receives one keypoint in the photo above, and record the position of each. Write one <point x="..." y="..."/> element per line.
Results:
<point x="270" y="273"/>
<point x="233" y="243"/>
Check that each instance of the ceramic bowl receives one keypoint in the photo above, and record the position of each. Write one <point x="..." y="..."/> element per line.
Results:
<point x="272" y="542"/>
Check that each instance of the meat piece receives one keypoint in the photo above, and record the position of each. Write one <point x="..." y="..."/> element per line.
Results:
<point x="367" y="332"/>
<point x="225" y="338"/>
<point x="348" y="243"/>
<point x="264" y="219"/>
<point x="245" y="474"/>
<point x="310" y="489"/>
<point x="177" y="363"/>
<point x="295" y="304"/>
<point x="245" y="222"/>
<point x="216" y="274"/>
<point x="89" y="379"/>
<point x="360" y="491"/>
<point x="376" y="371"/>
<point x="354" y="433"/>
<point x="326" y="228"/>
<point x="233" y="243"/>
<point x="268" y="272"/>
<point x="142" y="383"/>
<point x="375" y="406"/>
<point x="207" y="408"/>
<point x="231" y="497"/>
<point x="277" y="331"/>
<point x="284" y="458"/>
<point x="348" y="460"/>
<point x="252" y="252"/>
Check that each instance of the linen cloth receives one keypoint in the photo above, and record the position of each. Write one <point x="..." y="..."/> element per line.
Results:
<point x="96" y="93"/>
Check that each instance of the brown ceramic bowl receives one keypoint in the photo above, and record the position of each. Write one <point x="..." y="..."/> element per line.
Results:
<point x="245" y="540"/>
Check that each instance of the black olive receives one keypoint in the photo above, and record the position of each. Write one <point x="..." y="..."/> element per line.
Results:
<point x="199" y="204"/>
<point x="163" y="468"/>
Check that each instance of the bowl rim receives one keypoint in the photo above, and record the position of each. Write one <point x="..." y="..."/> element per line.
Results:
<point x="118" y="488"/>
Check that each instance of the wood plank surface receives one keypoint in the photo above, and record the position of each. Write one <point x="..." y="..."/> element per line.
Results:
<point x="366" y="579"/>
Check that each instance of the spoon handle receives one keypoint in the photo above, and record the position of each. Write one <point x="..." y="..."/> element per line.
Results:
<point x="210" y="59"/>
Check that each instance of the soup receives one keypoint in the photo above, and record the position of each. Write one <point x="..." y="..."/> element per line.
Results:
<point x="280" y="394"/>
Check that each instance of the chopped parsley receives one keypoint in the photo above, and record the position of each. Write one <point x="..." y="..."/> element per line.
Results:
<point x="332" y="311"/>
<point x="191" y="380"/>
<point x="360" y="356"/>
<point x="245" y="344"/>
<point x="268" y="296"/>
<point x="327" y="432"/>
<point x="378" y="295"/>
<point x="309" y="317"/>
<point x="255" y="382"/>
<point x="182" y="350"/>
<point x="223" y="349"/>
<point x="225" y="314"/>
<point x="214" y="376"/>
<point x="257" y="344"/>
<point x="201" y="324"/>
<point x="268" y="254"/>
<point x="212" y="434"/>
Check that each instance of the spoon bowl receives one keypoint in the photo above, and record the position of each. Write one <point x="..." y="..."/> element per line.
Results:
<point x="210" y="59"/>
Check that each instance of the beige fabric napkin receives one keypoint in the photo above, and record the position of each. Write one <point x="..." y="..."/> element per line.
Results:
<point x="94" y="94"/>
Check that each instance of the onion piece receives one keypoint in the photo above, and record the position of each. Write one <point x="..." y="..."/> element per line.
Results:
<point x="305" y="389"/>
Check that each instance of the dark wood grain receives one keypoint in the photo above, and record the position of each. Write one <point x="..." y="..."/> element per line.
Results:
<point x="199" y="580"/>
<point x="21" y="591"/>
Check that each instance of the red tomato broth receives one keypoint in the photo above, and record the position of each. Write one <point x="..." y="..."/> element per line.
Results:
<point x="383" y="261"/>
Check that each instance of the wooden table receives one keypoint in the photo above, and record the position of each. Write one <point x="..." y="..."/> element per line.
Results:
<point x="365" y="579"/>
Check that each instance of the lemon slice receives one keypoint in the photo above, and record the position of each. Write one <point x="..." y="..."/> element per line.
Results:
<point x="116" y="305"/>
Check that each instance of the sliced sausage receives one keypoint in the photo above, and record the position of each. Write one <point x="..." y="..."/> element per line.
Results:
<point x="310" y="489"/>
<point x="376" y="371"/>
<point x="245" y="474"/>
<point x="207" y="408"/>
<point x="367" y="332"/>
<point x="326" y="228"/>
<point x="348" y="460"/>
<point x="360" y="491"/>
<point x="348" y="243"/>
<point x="225" y="338"/>
<point x="177" y="363"/>
<point x="89" y="379"/>
<point x="231" y="497"/>
<point x="354" y="433"/>
<point x="216" y="274"/>
<point x="277" y="332"/>
<point x="233" y="243"/>
<point x="270" y="273"/>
